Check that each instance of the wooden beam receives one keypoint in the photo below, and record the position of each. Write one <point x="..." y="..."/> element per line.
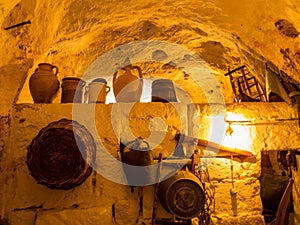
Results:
<point x="214" y="146"/>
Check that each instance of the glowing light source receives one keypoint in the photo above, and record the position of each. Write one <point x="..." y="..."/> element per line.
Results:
<point x="235" y="134"/>
<point x="238" y="135"/>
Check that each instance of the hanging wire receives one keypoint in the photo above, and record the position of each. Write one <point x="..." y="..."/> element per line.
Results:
<point x="231" y="169"/>
<point x="209" y="191"/>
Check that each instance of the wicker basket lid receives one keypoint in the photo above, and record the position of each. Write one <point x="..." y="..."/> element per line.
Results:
<point x="61" y="155"/>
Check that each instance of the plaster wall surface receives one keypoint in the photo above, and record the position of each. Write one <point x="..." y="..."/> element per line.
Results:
<point x="26" y="202"/>
<point x="72" y="34"/>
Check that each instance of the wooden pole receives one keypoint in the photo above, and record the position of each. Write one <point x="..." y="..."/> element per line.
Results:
<point x="155" y="202"/>
<point x="214" y="146"/>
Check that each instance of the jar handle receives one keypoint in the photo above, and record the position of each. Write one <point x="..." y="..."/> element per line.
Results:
<point x="116" y="74"/>
<point x="86" y="94"/>
<point x="107" y="89"/>
<point x="128" y="68"/>
<point x="138" y="69"/>
<point x="55" y="70"/>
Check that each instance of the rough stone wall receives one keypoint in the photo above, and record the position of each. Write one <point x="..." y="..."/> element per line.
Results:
<point x="4" y="146"/>
<point x="296" y="196"/>
<point x="72" y="35"/>
<point x="26" y="202"/>
<point x="270" y="129"/>
<point x="224" y="34"/>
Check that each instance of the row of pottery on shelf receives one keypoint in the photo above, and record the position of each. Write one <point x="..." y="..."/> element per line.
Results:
<point x="94" y="92"/>
<point x="127" y="87"/>
<point x="73" y="87"/>
<point x="44" y="85"/>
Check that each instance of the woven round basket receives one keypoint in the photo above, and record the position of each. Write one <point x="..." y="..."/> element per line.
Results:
<point x="61" y="156"/>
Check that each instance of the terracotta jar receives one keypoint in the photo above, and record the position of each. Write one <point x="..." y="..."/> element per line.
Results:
<point x="72" y="90"/>
<point x="163" y="91"/>
<point x="128" y="84"/>
<point x="96" y="91"/>
<point x="43" y="83"/>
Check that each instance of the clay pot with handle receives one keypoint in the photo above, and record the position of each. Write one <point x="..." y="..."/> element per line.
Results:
<point x="163" y="90"/>
<point x="43" y="83"/>
<point x="72" y="90"/>
<point x="96" y="91"/>
<point x="128" y="84"/>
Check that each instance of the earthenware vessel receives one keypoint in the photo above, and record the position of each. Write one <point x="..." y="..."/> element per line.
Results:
<point x="96" y="91"/>
<point x="43" y="83"/>
<point x="128" y="84"/>
<point x="72" y="90"/>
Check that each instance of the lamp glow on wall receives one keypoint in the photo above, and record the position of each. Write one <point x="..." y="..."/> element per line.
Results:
<point x="231" y="131"/>
<point x="237" y="134"/>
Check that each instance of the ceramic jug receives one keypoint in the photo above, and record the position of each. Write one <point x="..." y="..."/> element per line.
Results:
<point x="96" y="91"/>
<point x="163" y="91"/>
<point x="72" y="90"/>
<point x="43" y="83"/>
<point x="128" y="84"/>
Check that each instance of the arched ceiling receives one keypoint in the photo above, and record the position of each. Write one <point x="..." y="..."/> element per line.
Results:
<point x="224" y="33"/>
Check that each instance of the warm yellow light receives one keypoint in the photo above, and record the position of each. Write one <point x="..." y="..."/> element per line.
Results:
<point x="231" y="133"/>
<point x="240" y="136"/>
<point x="234" y="117"/>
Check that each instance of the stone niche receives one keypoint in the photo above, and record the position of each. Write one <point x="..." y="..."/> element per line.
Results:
<point x="101" y="199"/>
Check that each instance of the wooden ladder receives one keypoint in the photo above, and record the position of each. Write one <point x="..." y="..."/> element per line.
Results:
<point x="246" y="87"/>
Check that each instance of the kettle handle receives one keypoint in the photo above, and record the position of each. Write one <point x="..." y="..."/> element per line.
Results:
<point x="55" y="70"/>
<point x="135" y="140"/>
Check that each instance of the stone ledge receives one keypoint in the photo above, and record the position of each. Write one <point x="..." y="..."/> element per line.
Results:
<point x="240" y="220"/>
<point x="99" y="215"/>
